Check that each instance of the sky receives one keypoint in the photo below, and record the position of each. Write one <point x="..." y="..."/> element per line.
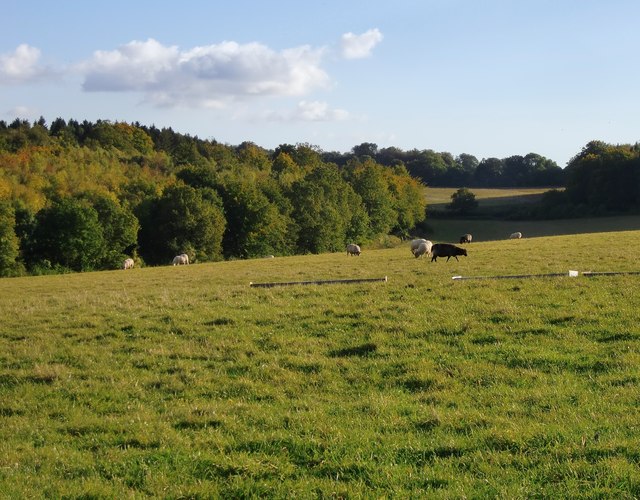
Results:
<point x="490" y="78"/>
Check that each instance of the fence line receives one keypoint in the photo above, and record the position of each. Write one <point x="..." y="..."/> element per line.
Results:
<point x="573" y="274"/>
<point x="316" y="282"/>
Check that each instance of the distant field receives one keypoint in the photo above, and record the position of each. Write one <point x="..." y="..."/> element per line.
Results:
<point x="485" y="229"/>
<point x="439" y="197"/>
<point x="185" y="382"/>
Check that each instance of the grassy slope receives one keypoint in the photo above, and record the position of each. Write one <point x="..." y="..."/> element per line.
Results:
<point x="490" y="229"/>
<point x="486" y="197"/>
<point x="485" y="230"/>
<point x="184" y="381"/>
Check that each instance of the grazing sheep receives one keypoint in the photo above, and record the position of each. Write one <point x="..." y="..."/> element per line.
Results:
<point x="182" y="259"/>
<point x="446" y="250"/>
<point x="127" y="264"/>
<point x="353" y="249"/>
<point x="515" y="236"/>
<point x="424" y="248"/>
<point x="466" y="238"/>
<point x="415" y="244"/>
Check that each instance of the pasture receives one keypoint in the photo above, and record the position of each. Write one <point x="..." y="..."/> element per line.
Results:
<point x="186" y="382"/>
<point x="438" y="197"/>
<point x="450" y="230"/>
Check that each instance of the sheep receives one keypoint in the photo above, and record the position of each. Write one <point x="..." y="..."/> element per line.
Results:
<point x="515" y="236"/>
<point x="127" y="264"/>
<point x="446" y="250"/>
<point x="466" y="238"/>
<point x="416" y="243"/>
<point x="182" y="259"/>
<point x="353" y="249"/>
<point x="424" y="248"/>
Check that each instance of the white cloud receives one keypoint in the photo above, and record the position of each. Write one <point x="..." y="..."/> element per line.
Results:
<point x="134" y="66"/>
<point x="318" y="111"/>
<point x="310" y="111"/>
<point x="208" y="76"/>
<point x="360" y="46"/>
<point x="21" y="66"/>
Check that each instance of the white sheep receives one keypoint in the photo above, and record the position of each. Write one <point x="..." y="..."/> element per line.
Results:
<point x="515" y="236"/>
<point x="416" y="243"/>
<point x="127" y="264"/>
<point x="353" y="249"/>
<point x="182" y="259"/>
<point x="424" y="248"/>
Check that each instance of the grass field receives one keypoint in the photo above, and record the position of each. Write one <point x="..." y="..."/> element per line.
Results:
<point x="185" y="382"/>
<point x="449" y="230"/>
<point x="438" y="197"/>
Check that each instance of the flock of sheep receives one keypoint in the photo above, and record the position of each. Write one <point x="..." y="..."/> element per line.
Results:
<point x="419" y="247"/>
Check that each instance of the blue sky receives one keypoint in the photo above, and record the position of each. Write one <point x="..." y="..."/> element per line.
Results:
<point x="491" y="78"/>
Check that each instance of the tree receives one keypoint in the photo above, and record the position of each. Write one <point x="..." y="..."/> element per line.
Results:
<point x="365" y="149"/>
<point x="325" y="210"/>
<point x="9" y="243"/>
<point x="408" y="201"/>
<point x="255" y="226"/>
<point x="120" y="230"/>
<point x="68" y="235"/>
<point x="182" y="220"/>
<point x="286" y="170"/>
<point x="429" y="166"/>
<point x="489" y="172"/>
<point x="463" y="201"/>
<point x="605" y="178"/>
<point x="370" y="183"/>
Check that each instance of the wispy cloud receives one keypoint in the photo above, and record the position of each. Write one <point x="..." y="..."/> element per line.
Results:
<point x="310" y="111"/>
<point x="22" y="112"/>
<point x="360" y="46"/>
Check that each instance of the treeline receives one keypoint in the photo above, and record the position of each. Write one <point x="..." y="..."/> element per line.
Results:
<point x="84" y="196"/>
<point x="443" y="169"/>
<point x="77" y="196"/>
<point x="603" y="179"/>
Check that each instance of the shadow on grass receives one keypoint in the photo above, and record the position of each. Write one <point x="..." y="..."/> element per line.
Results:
<point x="360" y="351"/>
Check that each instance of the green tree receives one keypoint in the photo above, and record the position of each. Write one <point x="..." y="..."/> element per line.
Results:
<point x="428" y="165"/>
<point x="9" y="244"/>
<point x="182" y="220"/>
<point x="463" y="201"/>
<point x="369" y="149"/>
<point x="286" y="170"/>
<point x="489" y="172"/>
<point x="255" y="226"/>
<point x="68" y="235"/>
<point x="369" y="181"/>
<point x="605" y="177"/>
<point x="324" y="207"/>
<point x="120" y="230"/>
<point x="409" y="201"/>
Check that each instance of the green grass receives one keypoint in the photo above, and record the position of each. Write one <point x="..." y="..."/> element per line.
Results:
<point x="487" y="229"/>
<point x="185" y="382"/>
<point x="438" y="197"/>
